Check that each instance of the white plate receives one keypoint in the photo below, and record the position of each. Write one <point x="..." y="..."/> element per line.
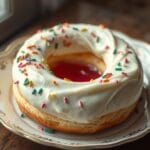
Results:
<point x="135" y="127"/>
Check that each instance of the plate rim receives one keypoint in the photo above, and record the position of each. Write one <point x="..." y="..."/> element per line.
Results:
<point x="52" y="142"/>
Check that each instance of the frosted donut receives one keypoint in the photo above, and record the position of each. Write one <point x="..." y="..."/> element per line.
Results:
<point x="77" y="107"/>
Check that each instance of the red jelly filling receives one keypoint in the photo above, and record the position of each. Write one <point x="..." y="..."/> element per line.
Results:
<point x="75" y="71"/>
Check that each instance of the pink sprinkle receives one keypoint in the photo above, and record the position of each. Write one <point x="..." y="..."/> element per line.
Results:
<point x="41" y="128"/>
<point x="66" y="100"/>
<point x="127" y="46"/>
<point x="93" y="34"/>
<point x="43" y="105"/>
<point x="80" y="104"/>
<point x="106" y="47"/>
<point x="62" y="30"/>
<point x="129" y="52"/>
<point x="16" y="82"/>
<point x="125" y="74"/>
<point x="126" y="60"/>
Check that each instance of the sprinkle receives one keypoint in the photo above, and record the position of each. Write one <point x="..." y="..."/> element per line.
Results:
<point x="80" y="104"/>
<point x="43" y="105"/>
<point x="56" y="45"/>
<point x="84" y="30"/>
<point x="66" y="79"/>
<point x="119" y="64"/>
<point x="26" y="81"/>
<point x="40" y="91"/>
<point x="38" y="48"/>
<point x="93" y="34"/>
<point x="129" y="52"/>
<point x="35" y="52"/>
<point x="62" y="30"/>
<point x="126" y="60"/>
<point x="34" y="92"/>
<point x="16" y="82"/>
<point x="106" y="47"/>
<point x="125" y="74"/>
<point x="41" y="128"/>
<point x="101" y="26"/>
<point x="105" y="80"/>
<point x="30" y="83"/>
<point x="52" y="95"/>
<point x="108" y="75"/>
<point x="91" y="80"/>
<point x="65" y="24"/>
<point x="66" y="100"/>
<point x="31" y="46"/>
<point x="66" y="43"/>
<point x="118" y="69"/>
<point x="97" y="39"/>
<point x="22" y="115"/>
<point x="115" y="51"/>
<point x="74" y="28"/>
<point x="42" y="60"/>
<point x="48" y="130"/>
<point x="54" y="82"/>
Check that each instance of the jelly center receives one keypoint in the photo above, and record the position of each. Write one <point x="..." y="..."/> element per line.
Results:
<point x="76" y="72"/>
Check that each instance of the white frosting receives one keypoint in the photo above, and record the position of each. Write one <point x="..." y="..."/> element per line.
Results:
<point x="75" y="101"/>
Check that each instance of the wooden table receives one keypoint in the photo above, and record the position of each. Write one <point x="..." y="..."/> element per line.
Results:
<point x="131" y="17"/>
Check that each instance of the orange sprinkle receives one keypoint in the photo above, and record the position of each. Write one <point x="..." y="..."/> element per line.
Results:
<point x="101" y="26"/>
<point x="34" y="52"/>
<point x="30" y="83"/>
<point x="31" y="46"/>
<point x="66" y="79"/>
<point x="54" y="82"/>
<point x="108" y="75"/>
<point x="104" y="80"/>
<point x="66" y="24"/>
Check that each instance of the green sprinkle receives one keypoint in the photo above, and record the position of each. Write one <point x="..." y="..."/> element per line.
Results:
<point x="33" y="59"/>
<point x="26" y="81"/>
<point x="40" y="91"/>
<point x="56" y="45"/>
<point x="119" y="64"/>
<point x="34" y="92"/>
<point x="118" y="69"/>
<point x="51" y="30"/>
<point x="23" y="52"/>
<point x="22" y="115"/>
<point x="47" y="130"/>
<point x="97" y="39"/>
<point x="74" y="28"/>
<point x="115" y="51"/>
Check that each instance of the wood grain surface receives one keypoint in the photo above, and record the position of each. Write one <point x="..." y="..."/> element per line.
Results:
<point x="131" y="17"/>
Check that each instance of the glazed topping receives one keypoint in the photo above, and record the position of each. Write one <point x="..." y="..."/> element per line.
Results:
<point x="77" y="72"/>
<point x="118" y="87"/>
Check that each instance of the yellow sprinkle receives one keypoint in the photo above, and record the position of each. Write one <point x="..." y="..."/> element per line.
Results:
<point x="66" y="79"/>
<point x="83" y="30"/>
<point x="54" y="82"/>
<point x="52" y="95"/>
<point x="30" y="83"/>
<point x="42" y="60"/>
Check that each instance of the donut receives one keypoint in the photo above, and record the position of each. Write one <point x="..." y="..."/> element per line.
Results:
<point x="74" y="106"/>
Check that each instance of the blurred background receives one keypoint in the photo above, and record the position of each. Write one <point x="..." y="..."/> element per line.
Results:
<point x="129" y="16"/>
<point x="25" y="17"/>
